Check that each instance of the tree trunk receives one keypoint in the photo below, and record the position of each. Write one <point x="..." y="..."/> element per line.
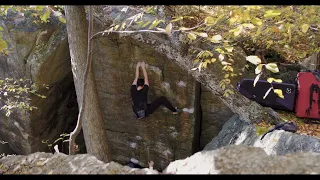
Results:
<point x="90" y="113"/>
<point x="173" y="49"/>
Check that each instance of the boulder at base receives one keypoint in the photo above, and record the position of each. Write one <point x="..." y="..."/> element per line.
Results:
<point x="59" y="163"/>
<point x="242" y="159"/>
<point x="279" y="142"/>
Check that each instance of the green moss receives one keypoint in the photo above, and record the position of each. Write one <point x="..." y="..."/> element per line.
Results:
<point x="261" y="130"/>
<point x="152" y="60"/>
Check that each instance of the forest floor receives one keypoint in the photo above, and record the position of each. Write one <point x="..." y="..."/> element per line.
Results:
<point x="306" y="126"/>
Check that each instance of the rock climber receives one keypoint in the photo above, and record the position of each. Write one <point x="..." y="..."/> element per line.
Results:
<point x="139" y="95"/>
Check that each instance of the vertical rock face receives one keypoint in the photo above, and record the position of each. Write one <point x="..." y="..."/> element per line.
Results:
<point x="161" y="133"/>
<point x="5" y="149"/>
<point x="214" y="112"/>
<point x="38" y="52"/>
<point x="161" y="137"/>
<point x="214" y="115"/>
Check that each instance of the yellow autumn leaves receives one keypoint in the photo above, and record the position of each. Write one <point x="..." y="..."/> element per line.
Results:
<point x="271" y="67"/>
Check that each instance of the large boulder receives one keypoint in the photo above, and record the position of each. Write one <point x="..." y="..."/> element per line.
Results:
<point x="242" y="159"/>
<point x="39" y="52"/>
<point x="161" y="137"/>
<point x="278" y="142"/>
<point x="59" y="163"/>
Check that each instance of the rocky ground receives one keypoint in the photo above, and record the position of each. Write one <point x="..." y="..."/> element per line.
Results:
<point x="234" y="159"/>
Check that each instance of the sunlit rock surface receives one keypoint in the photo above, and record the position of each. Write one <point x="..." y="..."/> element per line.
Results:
<point x="278" y="142"/>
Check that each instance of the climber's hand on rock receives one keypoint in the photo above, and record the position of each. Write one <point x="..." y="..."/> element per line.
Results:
<point x="76" y="148"/>
<point x="143" y="64"/>
<point x="138" y="64"/>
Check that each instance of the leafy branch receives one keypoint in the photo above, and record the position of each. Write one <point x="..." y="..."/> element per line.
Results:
<point x="63" y="137"/>
<point x="15" y="94"/>
<point x="40" y="14"/>
<point x="271" y="67"/>
<point x="287" y="30"/>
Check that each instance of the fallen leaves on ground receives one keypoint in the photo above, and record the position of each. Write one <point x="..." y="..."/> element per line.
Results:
<point x="305" y="126"/>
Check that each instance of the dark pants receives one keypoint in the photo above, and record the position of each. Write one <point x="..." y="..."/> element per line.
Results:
<point x="134" y="165"/>
<point x="158" y="102"/>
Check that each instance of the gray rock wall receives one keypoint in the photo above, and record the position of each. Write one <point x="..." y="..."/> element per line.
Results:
<point x="38" y="52"/>
<point x="161" y="137"/>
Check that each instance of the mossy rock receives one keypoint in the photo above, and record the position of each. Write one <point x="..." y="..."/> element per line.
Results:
<point x="260" y="130"/>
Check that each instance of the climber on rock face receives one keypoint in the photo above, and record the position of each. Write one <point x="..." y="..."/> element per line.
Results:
<point x="139" y="94"/>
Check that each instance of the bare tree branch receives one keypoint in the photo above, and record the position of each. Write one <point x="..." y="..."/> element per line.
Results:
<point x="3" y="142"/>
<point x="146" y="30"/>
<point x="129" y="32"/>
<point x="195" y="27"/>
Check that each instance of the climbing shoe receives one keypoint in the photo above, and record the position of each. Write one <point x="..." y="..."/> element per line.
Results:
<point x="178" y="111"/>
